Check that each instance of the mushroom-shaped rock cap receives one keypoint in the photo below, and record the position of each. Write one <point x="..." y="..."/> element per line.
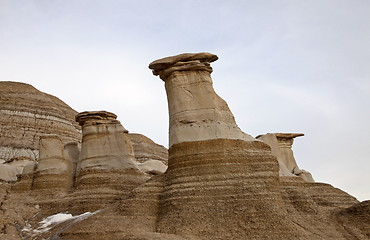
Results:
<point x="167" y="62"/>
<point x="82" y="117"/>
<point x="284" y="135"/>
<point x="289" y="135"/>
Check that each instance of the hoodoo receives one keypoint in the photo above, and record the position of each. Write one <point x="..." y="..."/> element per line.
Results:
<point x="196" y="112"/>
<point x="107" y="160"/>
<point x="218" y="177"/>
<point x="221" y="183"/>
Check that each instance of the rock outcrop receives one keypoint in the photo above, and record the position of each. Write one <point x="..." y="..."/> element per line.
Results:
<point x="147" y="150"/>
<point x="26" y="114"/>
<point x="281" y="148"/>
<point x="54" y="172"/>
<point x="220" y="182"/>
<point x="196" y="112"/>
<point x="107" y="160"/>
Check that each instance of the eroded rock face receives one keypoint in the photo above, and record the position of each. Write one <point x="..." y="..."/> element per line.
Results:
<point x="147" y="150"/>
<point x="196" y="112"/>
<point x="26" y="114"/>
<point x="107" y="169"/>
<point x="220" y="183"/>
<point x="281" y="147"/>
<point x="54" y="172"/>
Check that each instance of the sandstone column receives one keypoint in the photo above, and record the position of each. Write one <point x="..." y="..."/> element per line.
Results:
<point x="220" y="183"/>
<point x="107" y="162"/>
<point x="196" y="112"/>
<point x="54" y="171"/>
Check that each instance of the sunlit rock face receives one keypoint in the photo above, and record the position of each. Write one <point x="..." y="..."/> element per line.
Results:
<point x="27" y="113"/>
<point x="196" y="112"/>
<point x="281" y="147"/>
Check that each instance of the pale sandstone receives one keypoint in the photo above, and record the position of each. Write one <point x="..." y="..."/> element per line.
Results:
<point x="26" y="179"/>
<point x="281" y="148"/>
<point x="105" y="143"/>
<point x="146" y="150"/>
<point x="214" y="188"/>
<point x="11" y="170"/>
<point x="196" y="112"/>
<point x="107" y="169"/>
<point x="220" y="188"/>
<point x="153" y="167"/>
<point x="25" y="114"/>
<point x="54" y="171"/>
<point x="8" y="173"/>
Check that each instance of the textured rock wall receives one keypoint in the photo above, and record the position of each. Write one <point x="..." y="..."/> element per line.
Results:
<point x="196" y="112"/>
<point x="25" y="114"/>
<point x="220" y="183"/>
<point x="54" y="172"/>
<point x="145" y="149"/>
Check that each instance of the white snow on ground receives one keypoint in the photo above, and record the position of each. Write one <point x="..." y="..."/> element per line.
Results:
<point x="47" y="223"/>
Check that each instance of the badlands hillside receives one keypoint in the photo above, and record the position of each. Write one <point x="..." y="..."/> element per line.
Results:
<point x="69" y="175"/>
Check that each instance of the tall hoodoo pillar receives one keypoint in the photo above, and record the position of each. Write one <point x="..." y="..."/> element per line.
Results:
<point x="220" y="182"/>
<point x="196" y="112"/>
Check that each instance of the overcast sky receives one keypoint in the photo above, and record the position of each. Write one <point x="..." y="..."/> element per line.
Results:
<point x="284" y="66"/>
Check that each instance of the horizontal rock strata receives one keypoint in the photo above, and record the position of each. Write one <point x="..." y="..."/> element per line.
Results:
<point x="107" y="165"/>
<point x="26" y="114"/>
<point x="220" y="182"/>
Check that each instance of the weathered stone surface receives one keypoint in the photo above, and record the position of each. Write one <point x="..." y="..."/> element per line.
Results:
<point x="107" y="169"/>
<point x="196" y="112"/>
<point x="281" y="147"/>
<point x="220" y="183"/>
<point x="220" y="186"/>
<point x="105" y="144"/>
<point x="8" y="173"/>
<point x="54" y="172"/>
<point x="217" y="175"/>
<point x="153" y="167"/>
<point x="25" y="114"/>
<point x="146" y="150"/>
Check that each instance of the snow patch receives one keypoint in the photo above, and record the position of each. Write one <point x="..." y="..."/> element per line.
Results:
<point x="49" y="222"/>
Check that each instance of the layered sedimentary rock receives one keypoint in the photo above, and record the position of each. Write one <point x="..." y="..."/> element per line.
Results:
<point x="107" y="165"/>
<point x="218" y="177"/>
<point x="147" y="150"/>
<point x="220" y="183"/>
<point x="281" y="147"/>
<point x="54" y="172"/>
<point x="25" y="114"/>
<point x="196" y="112"/>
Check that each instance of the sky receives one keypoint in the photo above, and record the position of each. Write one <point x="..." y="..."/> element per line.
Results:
<point x="284" y="66"/>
